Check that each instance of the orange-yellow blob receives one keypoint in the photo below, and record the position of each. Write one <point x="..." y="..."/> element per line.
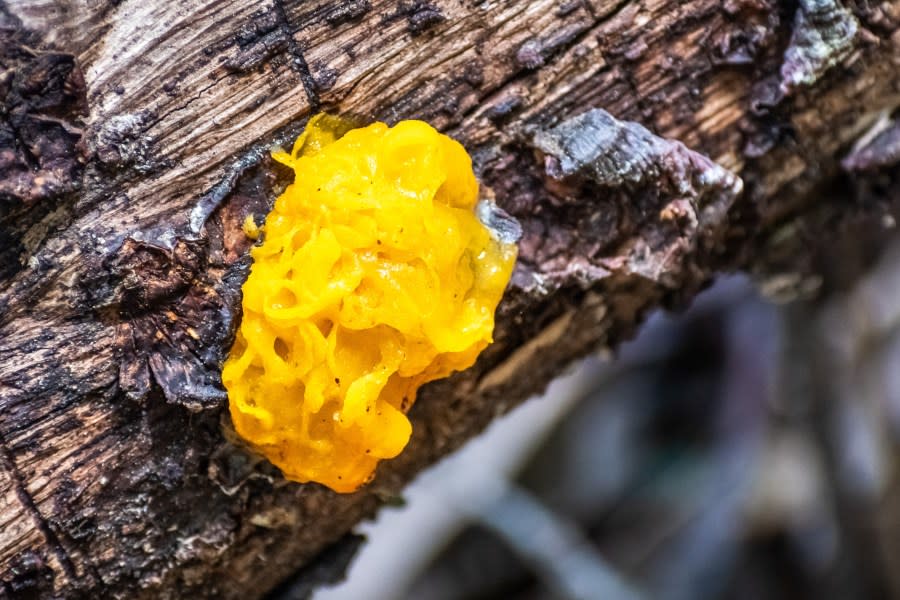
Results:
<point x="251" y="230"/>
<point x="374" y="277"/>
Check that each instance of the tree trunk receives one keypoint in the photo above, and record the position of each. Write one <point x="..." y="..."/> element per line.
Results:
<point x="134" y="141"/>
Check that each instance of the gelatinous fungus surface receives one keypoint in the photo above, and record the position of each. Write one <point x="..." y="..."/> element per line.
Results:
<point x="374" y="277"/>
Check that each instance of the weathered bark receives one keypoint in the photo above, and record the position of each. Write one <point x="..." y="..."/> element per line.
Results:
<point x="134" y="142"/>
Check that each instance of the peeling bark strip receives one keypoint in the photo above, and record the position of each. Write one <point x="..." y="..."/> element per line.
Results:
<point x="661" y="199"/>
<point x="120" y="287"/>
<point x="824" y="35"/>
<point x="878" y="149"/>
<point x="616" y="153"/>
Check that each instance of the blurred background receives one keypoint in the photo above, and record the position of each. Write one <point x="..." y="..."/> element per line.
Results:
<point x="741" y="449"/>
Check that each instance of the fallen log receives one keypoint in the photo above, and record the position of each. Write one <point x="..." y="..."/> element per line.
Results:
<point x="644" y="146"/>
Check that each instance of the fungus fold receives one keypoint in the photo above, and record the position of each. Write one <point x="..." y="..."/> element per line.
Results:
<point x="374" y="277"/>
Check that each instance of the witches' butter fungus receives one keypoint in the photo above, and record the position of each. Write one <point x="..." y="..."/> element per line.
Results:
<point x="374" y="277"/>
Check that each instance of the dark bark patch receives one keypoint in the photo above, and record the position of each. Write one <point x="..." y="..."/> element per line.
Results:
<point x="530" y="54"/>
<point x="257" y="41"/>
<point x="162" y="312"/>
<point x="173" y="296"/>
<point x="42" y="156"/>
<point x="420" y="15"/>
<point x="751" y="31"/>
<point x="180" y="346"/>
<point x="29" y="576"/>
<point x="502" y="110"/>
<point x="325" y="76"/>
<point x="535" y="52"/>
<point x="149" y="270"/>
<point x="43" y="98"/>
<point x="347" y="11"/>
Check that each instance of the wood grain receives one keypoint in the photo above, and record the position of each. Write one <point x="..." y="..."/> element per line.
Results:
<point x="121" y="290"/>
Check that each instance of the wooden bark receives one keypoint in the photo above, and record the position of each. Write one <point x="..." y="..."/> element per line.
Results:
<point x="134" y="142"/>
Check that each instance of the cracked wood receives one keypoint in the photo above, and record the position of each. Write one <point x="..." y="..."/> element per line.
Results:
<point x="121" y="295"/>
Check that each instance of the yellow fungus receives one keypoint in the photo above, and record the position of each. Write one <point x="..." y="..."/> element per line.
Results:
<point x="374" y="277"/>
<point x="251" y="230"/>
